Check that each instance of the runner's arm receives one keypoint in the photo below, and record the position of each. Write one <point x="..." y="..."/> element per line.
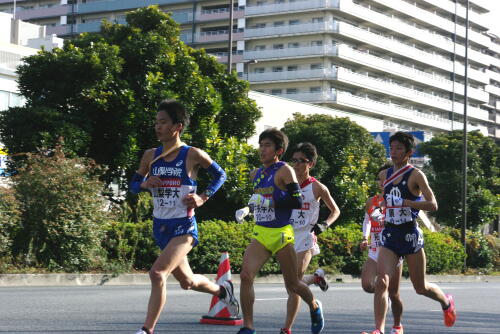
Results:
<point x="285" y="178"/>
<point x="429" y="203"/>
<point x="327" y="198"/>
<point x="138" y="182"/>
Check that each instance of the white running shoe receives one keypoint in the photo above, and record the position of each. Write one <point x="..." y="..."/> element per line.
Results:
<point x="230" y="300"/>
<point x="320" y="279"/>
<point x="141" y="331"/>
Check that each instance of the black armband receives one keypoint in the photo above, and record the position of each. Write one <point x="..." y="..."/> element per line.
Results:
<point x="293" y="198"/>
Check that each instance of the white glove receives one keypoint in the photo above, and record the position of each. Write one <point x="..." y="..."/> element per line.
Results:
<point x="259" y="200"/>
<point x="377" y="215"/>
<point x="393" y="201"/>
<point x="241" y="214"/>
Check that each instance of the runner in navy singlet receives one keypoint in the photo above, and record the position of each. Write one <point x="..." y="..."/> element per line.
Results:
<point x="169" y="172"/>
<point x="406" y="191"/>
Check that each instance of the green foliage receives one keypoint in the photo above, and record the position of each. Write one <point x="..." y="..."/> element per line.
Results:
<point x="217" y="236"/>
<point x="482" y="253"/>
<point x="130" y="246"/>
<point x="444" y="254"/>
<point x="483" y="178"/>
<point x="103" y="102"/>
<point x="348" y="159"/>
<point x="62" y="213"/>
<point x="340" y="251"/>
<point x="10" y="218"/>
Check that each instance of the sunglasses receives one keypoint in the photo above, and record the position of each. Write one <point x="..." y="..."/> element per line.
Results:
<point x="297" y="161"/>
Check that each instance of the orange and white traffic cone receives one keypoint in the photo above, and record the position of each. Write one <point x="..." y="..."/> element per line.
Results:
<point x="219" y="314"/>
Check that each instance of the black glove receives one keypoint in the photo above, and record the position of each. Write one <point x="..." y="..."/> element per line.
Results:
<point x="319" y="228"/>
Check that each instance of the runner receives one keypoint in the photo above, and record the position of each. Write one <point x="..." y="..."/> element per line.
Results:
<point x="276" y="194"/>
<point x="306" y="226"/>
<point x="170" y="172"/>
<point x="406" y="191"/>
<point x="372" y="226"/>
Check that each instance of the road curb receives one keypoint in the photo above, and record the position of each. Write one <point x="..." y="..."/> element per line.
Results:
<point x="7" y="280"/>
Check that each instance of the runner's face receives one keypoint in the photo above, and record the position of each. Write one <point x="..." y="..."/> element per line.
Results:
<point x="300" y="163"/>
<point x="164" y="128"/>
<point x="268" y="152"/>
<point x="399" y="155"/>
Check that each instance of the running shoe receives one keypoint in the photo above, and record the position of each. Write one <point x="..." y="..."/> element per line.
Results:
<point x="320" y="280"/>
<point x="397" y="329"/>
<point x="143" y="331"/>
<point x="450" y="314"/>
<point x="230" y="300"/>
<point x="244" y="330"/>
<point x="317" y="320"/>
<point x="285" y="331"/>
<point x="374" y="332"/>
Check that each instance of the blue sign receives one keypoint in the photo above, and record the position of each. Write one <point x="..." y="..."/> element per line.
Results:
<point x="383" y="138"/>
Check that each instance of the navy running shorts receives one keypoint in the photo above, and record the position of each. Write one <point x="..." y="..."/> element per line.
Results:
<point x="403" y="240"/>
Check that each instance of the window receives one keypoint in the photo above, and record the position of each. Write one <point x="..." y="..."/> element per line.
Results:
<point x="259" y="47"/>
<point x="260" y="25"/>
<point x="317" y="43"/>
<point x="316" y="89"/>
<point x="276" y="91"/>
<point x="292" y="68"/>
<point x="279" y="23"/>
<point x="316" y="66"/>
<point x="259" y="70"/>
<point x="291" y="90"/>
<point x="277" y="68"/>
<point x="278" y="46"/>
<point x="317" y="19"/>
<point x="293" y="22"/>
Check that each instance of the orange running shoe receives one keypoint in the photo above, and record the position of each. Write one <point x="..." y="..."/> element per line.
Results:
<point x="374" y="332"/>
<point x="450" y="314"/>
<point x="397" y="329"/>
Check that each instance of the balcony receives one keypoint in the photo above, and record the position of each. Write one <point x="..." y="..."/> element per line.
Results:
<point x="438" y="22"/>
<point x="302" y="75"/>
<point x="60" y="30"/>
<point x="186" y="36"/>
<point x="219" y="14"/>
<point x="10" y="61"/>
<point x="493" y="90"/>
<point x="182" y="17"/>
<point x="218" y="36"/>
<point x="287" y="7"/>
<point x="38" y="13"/>
<point x="408" y="51"/>
<point x="222" y="56"/>
<point x="310" y="51"/>
<point x="320" y="97"/>
<point x="284" y="30"/>
<point x="450" y="8"/>
<point x="120" y="5"/>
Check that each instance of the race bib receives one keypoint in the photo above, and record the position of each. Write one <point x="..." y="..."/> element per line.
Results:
<point x="398" y="216"/>
<point x="168" y="195"/>
<point x="263" y="214"/>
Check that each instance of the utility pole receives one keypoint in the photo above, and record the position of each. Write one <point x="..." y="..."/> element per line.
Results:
<point x="464" y="153"/>
<point x="230" y="43"/>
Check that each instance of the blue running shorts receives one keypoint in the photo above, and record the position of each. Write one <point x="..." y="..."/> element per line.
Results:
<point x="403" y="240"/>
<point x="166" y="229"/>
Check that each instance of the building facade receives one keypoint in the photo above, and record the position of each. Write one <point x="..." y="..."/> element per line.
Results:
<point x="400" y="61"/>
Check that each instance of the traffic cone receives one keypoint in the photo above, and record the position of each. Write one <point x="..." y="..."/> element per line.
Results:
<point x="218" y="314"/>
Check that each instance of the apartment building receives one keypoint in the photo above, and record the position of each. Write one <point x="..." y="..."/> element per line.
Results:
<point x="401" y="61"/>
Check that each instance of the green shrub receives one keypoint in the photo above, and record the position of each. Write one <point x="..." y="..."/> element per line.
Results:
<point x="62" y="213"/>
<point x="129" y="246"/>
<point x="217" y="236"/>
<point x="443" y="253"/>
<point x="340" y="250"/>
<point x="10" y="217"/>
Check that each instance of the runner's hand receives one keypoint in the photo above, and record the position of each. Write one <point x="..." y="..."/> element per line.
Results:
<point x="377" y="215"/>
<point x="363" y="244"/>
<point x="259" y="200"/>
<point x="193" y="201"/>
<point x="241" y="214"/>
<point x="319" y="228"/>
<point x="393" y="201"/>
<point x="152" y="182"/>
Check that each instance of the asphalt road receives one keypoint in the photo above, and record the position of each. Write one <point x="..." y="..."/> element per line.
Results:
<point x="121" y="309"/>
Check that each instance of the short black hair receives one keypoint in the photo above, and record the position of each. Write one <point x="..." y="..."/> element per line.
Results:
<point x="404" y="138"/>
<point x="308" y="149"/>
<point x="175" y="111"/>
<point x="279" y="138"/>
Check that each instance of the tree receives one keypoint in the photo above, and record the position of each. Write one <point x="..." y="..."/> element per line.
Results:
<point x="100" y="93"/>
<point x="348" y="159"/>
<point x="61" y="212"/>
<point x="445" y="177"/>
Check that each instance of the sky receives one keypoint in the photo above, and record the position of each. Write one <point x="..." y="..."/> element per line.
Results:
<point x="493" y="16"/>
